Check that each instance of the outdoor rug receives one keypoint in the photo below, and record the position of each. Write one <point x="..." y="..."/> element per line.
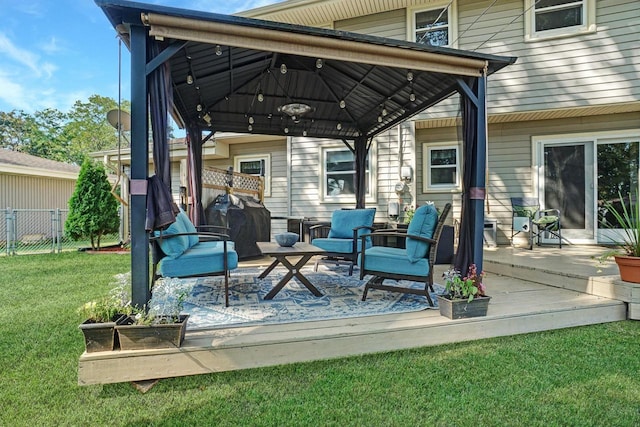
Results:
<point x="342" y="298"/>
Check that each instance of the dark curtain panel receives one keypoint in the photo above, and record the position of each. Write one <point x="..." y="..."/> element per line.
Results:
<point x="194" y="170"/>
<point x="464" y="254"/>
<point x="159" y="101"/>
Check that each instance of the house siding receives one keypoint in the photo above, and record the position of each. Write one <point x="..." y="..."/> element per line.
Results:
<point x="277" y="203"/>
<point x="391" y="24"/>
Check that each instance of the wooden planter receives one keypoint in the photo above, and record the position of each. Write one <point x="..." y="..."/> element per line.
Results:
<point x="459" y="309"/>
<point x="161" y="335"/>
<point x="101" y="336"/>
<point x="629" y="268"/>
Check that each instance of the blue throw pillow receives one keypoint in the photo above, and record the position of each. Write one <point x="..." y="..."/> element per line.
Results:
<point x="422" y="224"/>
<point x="174" y="246"/>
<point x="345" y="220"/>
<point x="188" y="227"/>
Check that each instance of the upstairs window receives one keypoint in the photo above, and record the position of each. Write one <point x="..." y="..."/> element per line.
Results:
<point x="558" y="18"/>
<point x="433" y="27"/>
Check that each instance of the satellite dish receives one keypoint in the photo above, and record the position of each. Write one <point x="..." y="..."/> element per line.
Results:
<point x="122" y="123"/>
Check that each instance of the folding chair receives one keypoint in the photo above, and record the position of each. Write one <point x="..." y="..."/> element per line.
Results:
<point x="529" y="218"/>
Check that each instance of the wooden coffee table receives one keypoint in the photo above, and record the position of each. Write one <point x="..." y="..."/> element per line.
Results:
<point x="282" y="254"/>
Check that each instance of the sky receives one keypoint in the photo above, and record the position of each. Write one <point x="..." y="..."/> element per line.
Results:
<point x="55" y="52"/>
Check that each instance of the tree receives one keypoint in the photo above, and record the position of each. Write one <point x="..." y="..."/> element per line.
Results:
<point x="93" y="210"/>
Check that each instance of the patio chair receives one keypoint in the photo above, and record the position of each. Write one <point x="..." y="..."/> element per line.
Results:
<point x="183" y="251"/>
<point x="342" y="243"/>
<point x="414" y="263"/>
<point x="529" y="218"/>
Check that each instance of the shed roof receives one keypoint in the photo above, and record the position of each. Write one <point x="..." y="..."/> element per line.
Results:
<point x="25" y="164"/>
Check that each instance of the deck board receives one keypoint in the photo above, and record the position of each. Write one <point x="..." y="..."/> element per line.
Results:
<point x="518" y="306"/>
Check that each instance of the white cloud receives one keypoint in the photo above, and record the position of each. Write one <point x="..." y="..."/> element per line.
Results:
<point x="20" y="56"/>
<point x="13" y="94"/>
<point x="51" y="47"/>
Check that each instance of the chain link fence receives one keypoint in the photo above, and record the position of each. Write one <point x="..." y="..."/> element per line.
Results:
<point x="32" y="231"/>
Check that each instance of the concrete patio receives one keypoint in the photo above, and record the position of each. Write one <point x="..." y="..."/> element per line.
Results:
<point x="532" y="291"/>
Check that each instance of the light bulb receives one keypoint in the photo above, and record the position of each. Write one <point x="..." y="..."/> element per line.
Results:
<point x="286" y="130"/>
<point x="409" y="76"/>
<point x="249" y="128"/>
<point x="251" y="121"/>
<point x="343" y="104"/>
<point x="412" y="97"/>
<point x="318" y="63"/>
<point x="384" y="112"/>
<point x="260" y="97"/>
<point x="283" y="68"/>
<point x="339" y="126"/>
<point x="218" y="50"/>
<point x="379" y="119"/>
<point x="304" y="132"/>
<point x="189" y="79"/>
<point x="199" y="107"/>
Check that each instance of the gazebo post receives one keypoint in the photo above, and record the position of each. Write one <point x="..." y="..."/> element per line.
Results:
<point x="478" y="180"/>
<point x="140" y="292"/>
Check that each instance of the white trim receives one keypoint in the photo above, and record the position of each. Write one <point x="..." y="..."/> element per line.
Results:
<point x="452" y="17"/>
<point x="26" y="170"/>
<point x="588" y="23"/>
<point x="427" y="187"/>
<point x="371" y="196"/>
<point x="252" y="158"/>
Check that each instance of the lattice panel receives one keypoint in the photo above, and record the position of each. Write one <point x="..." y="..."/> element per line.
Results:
<point x="236" y="182"/>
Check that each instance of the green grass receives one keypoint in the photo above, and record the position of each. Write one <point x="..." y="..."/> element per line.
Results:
<point x="587" y="376"/>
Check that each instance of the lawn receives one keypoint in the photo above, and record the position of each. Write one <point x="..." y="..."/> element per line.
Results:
<point x="587" y="376"/>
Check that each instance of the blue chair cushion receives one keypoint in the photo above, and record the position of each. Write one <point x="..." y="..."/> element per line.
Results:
<point x="338" y="245"/>
<point x="174" y="246"/>
<point x="345" y="220"/>
<point x="198" y="261"/>
<point x="394" y="261"/>
<point x="422" y="224"/>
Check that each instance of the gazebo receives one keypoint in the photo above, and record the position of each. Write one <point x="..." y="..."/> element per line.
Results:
<point x="220" y="73"/>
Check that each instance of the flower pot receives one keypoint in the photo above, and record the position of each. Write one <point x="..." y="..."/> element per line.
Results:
<point x="100" y="336"/>
<point x="461" y="308"/>
<point x="159" y="335"/>
<point x="629" y="268"/>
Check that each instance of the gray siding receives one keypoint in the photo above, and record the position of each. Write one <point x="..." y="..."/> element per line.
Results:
<point x="391" y="24"/>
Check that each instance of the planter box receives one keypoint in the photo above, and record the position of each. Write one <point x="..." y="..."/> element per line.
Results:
<point x="101" y="336"/>
<point x="142" y="337"/>
<point x="459" y="309"/>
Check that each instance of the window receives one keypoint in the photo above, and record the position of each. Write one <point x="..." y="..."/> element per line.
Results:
<point x="338" y="175"/>
<point x="558" y="18"/>
<point x="433" y="27"/>
<point x="441" y="167"/>
<point x="257" y="165"/>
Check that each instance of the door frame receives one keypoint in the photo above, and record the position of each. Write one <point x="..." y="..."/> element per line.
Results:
<point x="595" y="138"/>
<point x="588" y="234"/>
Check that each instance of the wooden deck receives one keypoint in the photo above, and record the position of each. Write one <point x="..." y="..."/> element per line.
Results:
<point x="531" y="291"/>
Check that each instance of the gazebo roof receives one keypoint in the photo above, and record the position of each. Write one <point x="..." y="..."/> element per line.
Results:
<point x="228" y="73"/>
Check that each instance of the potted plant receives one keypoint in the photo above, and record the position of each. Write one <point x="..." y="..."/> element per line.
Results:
<point x="627" y="255"/>
<point x="464" y="296"/>
<point x="161" y="326"/>
<point x="102" y="315"/>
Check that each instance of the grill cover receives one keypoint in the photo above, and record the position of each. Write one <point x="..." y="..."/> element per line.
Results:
<point x="247" y="219"/>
